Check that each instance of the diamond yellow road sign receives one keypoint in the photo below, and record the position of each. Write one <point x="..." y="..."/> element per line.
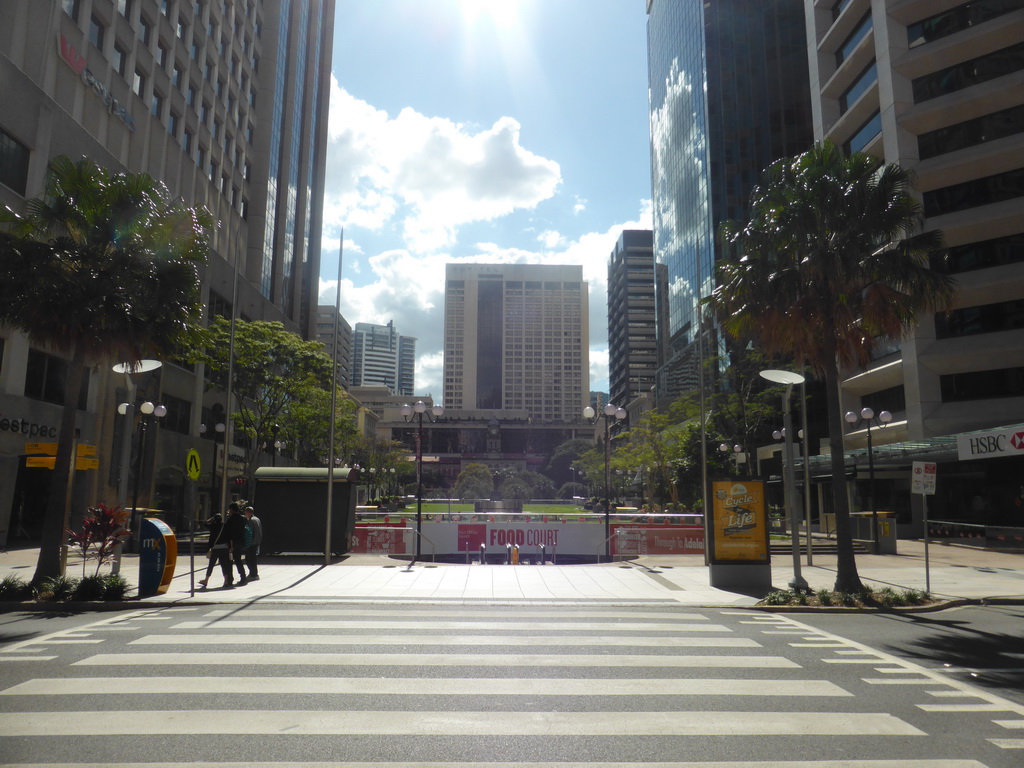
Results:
<point x="192" y="465"/>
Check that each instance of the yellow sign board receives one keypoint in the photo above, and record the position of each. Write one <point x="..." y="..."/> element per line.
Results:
<point x="47" y="462"/>
<point x="50" y="449"/>
<point x="47" y="449"/>
<point x="192" y="464"/>
<point x="740" y="526"/>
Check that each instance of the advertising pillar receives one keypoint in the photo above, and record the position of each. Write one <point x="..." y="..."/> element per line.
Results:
<point x="740" y="559"/>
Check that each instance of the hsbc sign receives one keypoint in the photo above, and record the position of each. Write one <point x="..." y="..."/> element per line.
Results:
<point x="987" y="445"/>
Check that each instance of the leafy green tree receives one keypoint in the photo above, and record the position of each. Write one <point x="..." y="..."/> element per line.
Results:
<point x="831" y="262"/>
<point x="273" y="370"/>
<point x="517" y="489"/>
<point x="103" y="268"/>
<point x="474" y="482"/>
<point x="305" y="423"/>
<point x="560" y="465"/>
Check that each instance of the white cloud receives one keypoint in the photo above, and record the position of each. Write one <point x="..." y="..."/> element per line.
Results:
<point x="426" y="175"/>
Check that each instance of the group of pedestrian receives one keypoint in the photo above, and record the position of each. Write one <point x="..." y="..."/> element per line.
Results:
<point x="234" y="541"/>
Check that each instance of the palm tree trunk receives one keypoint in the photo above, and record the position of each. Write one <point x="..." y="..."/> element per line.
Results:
<point x="847" y="578"/>
<point x="50" y="563"/>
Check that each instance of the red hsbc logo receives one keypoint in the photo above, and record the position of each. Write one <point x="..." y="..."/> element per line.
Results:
<point x="1017" y="441"/>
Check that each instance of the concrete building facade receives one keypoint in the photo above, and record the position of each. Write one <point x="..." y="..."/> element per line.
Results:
<point x="226" y="103"/>
<point x="382" y="356"/>
<point x="516" y="338"/>
<point x="632" y="326"/>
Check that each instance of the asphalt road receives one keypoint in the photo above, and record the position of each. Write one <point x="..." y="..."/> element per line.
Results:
<point x="495" y="685"/>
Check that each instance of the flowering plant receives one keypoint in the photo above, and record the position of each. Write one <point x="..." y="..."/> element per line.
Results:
<point x="103" y="526"/>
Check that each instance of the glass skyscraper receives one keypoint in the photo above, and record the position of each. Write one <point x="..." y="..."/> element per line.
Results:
<point x="728" y="95"/>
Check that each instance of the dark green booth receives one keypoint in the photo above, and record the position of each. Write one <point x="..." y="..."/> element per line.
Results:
<point x="291" y="502"/>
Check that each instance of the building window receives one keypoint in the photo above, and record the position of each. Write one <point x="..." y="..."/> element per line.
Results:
<point x="864" y="134"/>
<point x="982" y="385"/>
<point x="179" y="414"/>
<point x="124" y="7"/>
<point x="156" y="105"/>
<point x="172" y="124"/>
<point x="998" y="252"/>
<point x="958" y="19"/>
<point x="971" y="194"/>
<point x="145" y="30"/>
<point x="46" y="377"/>
<point x="96" y="32"/>
<point x="987" y="318"/>
<point x="72" y="8"/>
<point x="970" y="133"/>
<point x="968" y="73"/>
<point x="139" y="84"/>
<point x="120" y="60"/>
<point x="201" y="158"/>
<point x="161" y="54"/>
<point x="190" y="95"/>
<point x="13" y="163"/>
<point x="854" y="39"/>
<point x="865" y="80"/>
<point x="186" y="141"/>
<point x="182" y="29"/>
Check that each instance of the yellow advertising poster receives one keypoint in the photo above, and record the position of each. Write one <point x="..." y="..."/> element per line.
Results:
<point x="740" y="525"/>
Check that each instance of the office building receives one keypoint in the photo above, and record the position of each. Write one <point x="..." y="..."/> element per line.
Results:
<point x="226" y="103"/>
<point x="330" y="324"/>
<point x="632" y="330"/>
<point x="935" y="85"/>
<point x="383" y="357"/>
<point x="516" y="338"/>
<point x="728" y="95"/>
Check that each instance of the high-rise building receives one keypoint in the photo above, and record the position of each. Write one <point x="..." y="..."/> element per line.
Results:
<point x="381" y="356"/>
<point x="936" y="88"/>
<point x="728" y="95"/>
<point x="331" y="324"/>
<point x="225" y="101"/>
<point x="516" y="338"/>
<point x="632" y="331"/>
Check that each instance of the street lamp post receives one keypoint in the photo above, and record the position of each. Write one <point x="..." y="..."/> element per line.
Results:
<point x="416" y="412"/>
<point x="611" y="412"/>
<point x="867" y="417"/>
<point x="218" y="434"/>
<point x="147" y="409"/>
<point x="798" y="583"/>
<point x="736" y="449"/>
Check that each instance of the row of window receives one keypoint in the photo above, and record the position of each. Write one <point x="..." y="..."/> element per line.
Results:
<point x="981" y="385"/>
<point x="969" y="133"/>
<point x="968" y="73"/>
<point x="958" y="19"/>
<point x="971" y="194"/>
<point x="987" y="318"/>
<point x="13" y="163"/>
<point x="997" y="252"/>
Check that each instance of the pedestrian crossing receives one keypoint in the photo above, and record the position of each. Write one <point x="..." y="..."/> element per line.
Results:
<point x="483" y="686"/>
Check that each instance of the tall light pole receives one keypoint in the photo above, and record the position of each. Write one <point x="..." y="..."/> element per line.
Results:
<point x="611" y="413"/>
<point x="867" y="417"/>
<point x="147" y="409"/>
<point x="798" y="583"/>
<point x="416" y="412"/>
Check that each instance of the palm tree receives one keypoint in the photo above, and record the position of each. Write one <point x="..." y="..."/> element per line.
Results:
<point x="831" y="262"/>
<point x="103" y="268"/>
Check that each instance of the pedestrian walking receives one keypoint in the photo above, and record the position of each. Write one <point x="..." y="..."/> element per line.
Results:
<point x="252" y="551"/>
<point x="219" y="552"/>
<point x="234" y="532"/>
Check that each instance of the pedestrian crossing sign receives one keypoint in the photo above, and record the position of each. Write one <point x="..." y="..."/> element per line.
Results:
<point x="192" y="464"/>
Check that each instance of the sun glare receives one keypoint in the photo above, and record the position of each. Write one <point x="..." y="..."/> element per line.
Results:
<point x="501" y="13"/>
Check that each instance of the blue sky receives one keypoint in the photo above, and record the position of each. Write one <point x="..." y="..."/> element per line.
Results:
<point x="497" y="131"/>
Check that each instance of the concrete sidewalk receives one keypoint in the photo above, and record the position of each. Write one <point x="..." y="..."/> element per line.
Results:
<point x="957" y="573"/>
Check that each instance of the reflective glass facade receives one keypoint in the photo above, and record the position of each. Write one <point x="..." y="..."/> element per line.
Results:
<point x="728" y="95"/>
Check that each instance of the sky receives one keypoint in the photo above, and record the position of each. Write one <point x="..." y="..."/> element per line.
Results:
<point x="481" y="131"/>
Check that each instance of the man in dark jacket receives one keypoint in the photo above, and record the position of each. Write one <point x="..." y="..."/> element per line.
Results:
<point x="253" y="550"/>
<point x="234" y="532"/>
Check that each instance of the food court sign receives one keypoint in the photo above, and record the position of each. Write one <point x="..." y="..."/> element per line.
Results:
<point x="76" y="61"/>
<point x="989" y="445"/>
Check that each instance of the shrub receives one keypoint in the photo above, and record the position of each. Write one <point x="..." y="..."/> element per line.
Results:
<point x="56" y="588"/>
<point x="888" y="597"/>
<point x="115" y="587"/>
<point x="778" y="597"/>
<point x="825" y="596"/>
<point x="89" y="588"/>
<point x="15" y="588"/>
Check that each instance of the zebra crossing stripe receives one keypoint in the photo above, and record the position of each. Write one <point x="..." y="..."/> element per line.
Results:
<point x="450" y="640"/>
<point x="501" y="626"/>
<point x="473" y="686"/>
<point x="407" y="612"/>
<point x="938" y="763"/>
<point x="448" y="724"/>
<point x="433" y="660"/>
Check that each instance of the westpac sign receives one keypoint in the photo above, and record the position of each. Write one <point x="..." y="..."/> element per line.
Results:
<point x="988" y="445"/>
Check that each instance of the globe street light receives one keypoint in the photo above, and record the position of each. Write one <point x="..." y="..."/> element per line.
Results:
<point x="147" y="409"/>
<point x="737" y="449"/>
<point x="416" y="412"/>
<point x="611" y="413"/>
<point x="867" y="416"/>
<point x="798" y="583"/>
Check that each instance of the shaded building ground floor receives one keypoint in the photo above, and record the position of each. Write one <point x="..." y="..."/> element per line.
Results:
<point x="979" y="489"/>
